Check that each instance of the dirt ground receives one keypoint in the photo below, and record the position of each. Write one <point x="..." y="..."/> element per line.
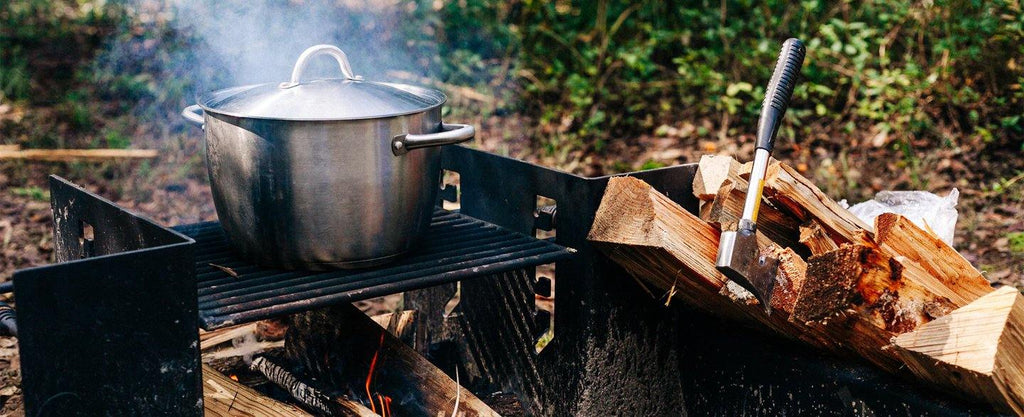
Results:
<point x="173" y="190"/>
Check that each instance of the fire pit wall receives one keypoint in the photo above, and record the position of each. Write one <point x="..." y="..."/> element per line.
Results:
<point x="111" y="328"/>
<point x="617" y="347"/>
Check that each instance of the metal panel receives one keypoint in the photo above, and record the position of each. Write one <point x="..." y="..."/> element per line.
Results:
<point x="114" y="333"/>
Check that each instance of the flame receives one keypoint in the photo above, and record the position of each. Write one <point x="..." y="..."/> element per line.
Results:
<point x="233" y="377"/>
<point x="369" y="376"/>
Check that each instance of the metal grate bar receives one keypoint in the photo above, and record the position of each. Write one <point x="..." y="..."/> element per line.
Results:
<point x="456" y="247"/>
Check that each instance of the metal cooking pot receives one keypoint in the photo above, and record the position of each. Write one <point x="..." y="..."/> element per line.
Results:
<point x="328" y="173"/>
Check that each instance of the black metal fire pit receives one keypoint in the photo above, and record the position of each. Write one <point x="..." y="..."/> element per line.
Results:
<point x="112" y="328"/>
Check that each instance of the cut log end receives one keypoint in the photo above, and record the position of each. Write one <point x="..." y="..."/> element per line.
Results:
<point x="976" y="350"/>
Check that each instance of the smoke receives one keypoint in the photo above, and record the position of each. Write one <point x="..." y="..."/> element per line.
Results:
<point x="246" y="42"/>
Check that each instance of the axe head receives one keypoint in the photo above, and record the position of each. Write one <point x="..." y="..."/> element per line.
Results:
<point x="741" y="260"/>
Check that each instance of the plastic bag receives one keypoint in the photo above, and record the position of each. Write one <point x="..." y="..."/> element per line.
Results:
<point x="927" y="210"/>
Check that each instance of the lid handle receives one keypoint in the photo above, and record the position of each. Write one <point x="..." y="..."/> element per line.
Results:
<point x="309" y="53"/>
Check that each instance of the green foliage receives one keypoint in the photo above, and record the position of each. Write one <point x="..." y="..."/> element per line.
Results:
<point x="41" y="39"/>
<point x="1016" y="241"/>
<point x="606" y="69"/>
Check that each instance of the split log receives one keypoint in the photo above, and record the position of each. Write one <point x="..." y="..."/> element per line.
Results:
<point x="814" y="238"/>
<point x="900" y="236"/>
<point x="343" y="347"/>
<point x="66" y="155"/>
<point x="401" y="325"/>
<point x="789" y="191"/>
<point x="712" y="172"/>
<point x="310" y="396"/>
<point x="976" y="350"/>
<point x="223" y="397"/>
<point x="211" y="339"/>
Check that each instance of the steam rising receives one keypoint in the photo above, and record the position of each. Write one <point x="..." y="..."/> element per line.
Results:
<point x="247" y="42"/>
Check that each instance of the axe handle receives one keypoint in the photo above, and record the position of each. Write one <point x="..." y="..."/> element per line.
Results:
<point x="776" y="101"/>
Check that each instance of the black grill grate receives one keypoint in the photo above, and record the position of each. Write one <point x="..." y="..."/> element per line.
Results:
<point x="456" y="247"/>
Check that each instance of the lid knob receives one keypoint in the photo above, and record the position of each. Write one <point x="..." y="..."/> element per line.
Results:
<point x="309" y="53"/>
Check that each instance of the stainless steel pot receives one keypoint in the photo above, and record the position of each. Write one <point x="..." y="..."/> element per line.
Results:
<point x="329" y="173"/>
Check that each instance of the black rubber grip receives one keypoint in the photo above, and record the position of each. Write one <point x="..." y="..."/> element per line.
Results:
<point x="780" y="90"/>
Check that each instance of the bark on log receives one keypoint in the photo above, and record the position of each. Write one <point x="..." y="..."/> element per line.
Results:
<point x="343" y="347"/>
<point x="307" y="395"/>
<point x="223" y="397"/>
<point x="977" y="350"/>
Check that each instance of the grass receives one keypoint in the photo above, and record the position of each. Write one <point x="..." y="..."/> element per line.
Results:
<point x="33" y="192"/>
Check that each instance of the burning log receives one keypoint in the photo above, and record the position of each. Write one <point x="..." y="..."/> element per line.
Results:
<point x="308" y="395"/>
<point x="224" y="397"/>
<point x="857" y="292"/>
<point x="344" y="348"/>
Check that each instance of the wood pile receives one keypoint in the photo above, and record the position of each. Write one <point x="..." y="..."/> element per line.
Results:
<point x="893" y="294"/>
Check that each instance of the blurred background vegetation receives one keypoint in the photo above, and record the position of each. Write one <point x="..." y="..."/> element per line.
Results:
<point x="926" y="73"/>
<point x="894" y="94"/>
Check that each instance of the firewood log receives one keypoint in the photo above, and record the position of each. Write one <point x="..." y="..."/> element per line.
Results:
<point x="900" y="236"/>
<point x="307" y="395"/>
<point x="223" y="397"/>
<point x="977" y="350"/>
<point x="712" y="171"/>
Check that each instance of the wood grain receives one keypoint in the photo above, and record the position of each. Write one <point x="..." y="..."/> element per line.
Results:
<point x="223" y="397"/>
<point x="975" y="351"/>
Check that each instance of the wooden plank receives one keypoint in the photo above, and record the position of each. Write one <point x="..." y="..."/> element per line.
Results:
<point x="975" y="351"/>
<point x="66" y="155"/>
<point x="223" y="397"/>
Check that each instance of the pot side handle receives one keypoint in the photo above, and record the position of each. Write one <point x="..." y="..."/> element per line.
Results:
<point x="451" y="133"/>
<point x="194" y="114"/>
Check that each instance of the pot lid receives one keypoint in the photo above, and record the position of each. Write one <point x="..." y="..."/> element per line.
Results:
<point x="348" y="98"/>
